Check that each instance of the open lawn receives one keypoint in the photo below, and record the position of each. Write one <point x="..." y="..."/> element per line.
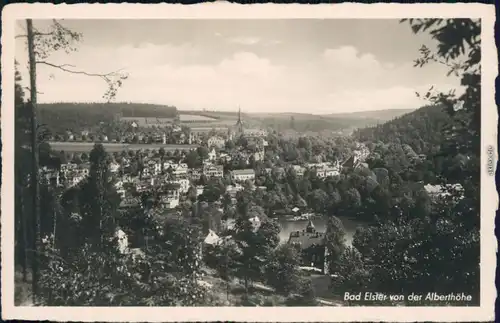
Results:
<point x="80" y="147"/>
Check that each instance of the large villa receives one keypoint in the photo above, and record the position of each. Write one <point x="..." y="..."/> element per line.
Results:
<point x="312" y="246"/>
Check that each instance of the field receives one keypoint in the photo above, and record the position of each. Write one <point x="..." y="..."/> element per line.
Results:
<point x="194" y="117"/>
<point x="80" y="147"/>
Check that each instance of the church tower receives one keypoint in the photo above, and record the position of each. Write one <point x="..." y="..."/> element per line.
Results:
<point x="239" y="123"/>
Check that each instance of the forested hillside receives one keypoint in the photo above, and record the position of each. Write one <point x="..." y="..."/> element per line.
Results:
<point x="422" y="130"/>
<point x="60" y="117"/>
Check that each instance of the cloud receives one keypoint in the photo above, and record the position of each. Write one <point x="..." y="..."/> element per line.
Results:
<point x="245" y="40"/>
<point x="338" y="80"/>
<point x="348" y="57"/>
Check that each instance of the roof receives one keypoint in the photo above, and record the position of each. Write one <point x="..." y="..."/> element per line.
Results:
<point x="306" y="239"/>
<point x="243" y="171"/>
<point x="211" y="238"/>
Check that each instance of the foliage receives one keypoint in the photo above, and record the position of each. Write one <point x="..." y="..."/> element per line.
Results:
<point x="334" y="241"/>
<point x="282" y="270"/>
<point x="305" y="295"/>
<point x="255" y="246"/>
<point x="108" y="278"/>
<point x="351" y="275"/>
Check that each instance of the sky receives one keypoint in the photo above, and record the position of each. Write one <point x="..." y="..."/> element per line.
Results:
<point x="315" y="66"/>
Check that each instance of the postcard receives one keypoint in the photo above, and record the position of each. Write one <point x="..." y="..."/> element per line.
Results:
<point x="248" y="163"/>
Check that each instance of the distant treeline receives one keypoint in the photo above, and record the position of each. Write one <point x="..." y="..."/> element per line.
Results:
<point x="59" y="117"/>
<point x="315" y="124"/>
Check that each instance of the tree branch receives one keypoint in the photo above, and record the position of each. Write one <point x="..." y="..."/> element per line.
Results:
<point x="29" y="90"/>
<point x="35" y="34"/>
<point x="62" y="67"/>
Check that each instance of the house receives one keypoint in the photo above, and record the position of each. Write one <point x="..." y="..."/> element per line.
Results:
<point x="213" y="171"/>
<point x="122" y="192"/>
<point x="169" y="197"/>
<point x="224" y="157"/>
<point x="350" y="162"/>
<point x="311" y="245"/>
<point x="254" y="132"/>
<point x="195" y="174"/>
<point x="233" y="189"/>
<point x="114" y="167"/>
<point x="299" y="170"/>
<point x="122" y="241"/>
<point x="50" y="176"/>
<point x="179" y="169"/>
<point x="131" y="202"/>
<point x="242" y="175"/>
<point x="183" y="185"/>
<point x="256" y="223"/>
<point x="212" y="155"/>
<point x="212" y="238"/>
<point x="216" y="141"/>
<point x="258" y="155"/>
<point x="199" y="190"/>
<point x="65" y="168"/>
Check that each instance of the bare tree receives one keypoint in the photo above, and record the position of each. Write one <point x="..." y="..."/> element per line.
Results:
<point x="40" y="46"/>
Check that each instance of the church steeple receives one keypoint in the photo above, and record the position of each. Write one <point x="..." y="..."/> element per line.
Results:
<point x="239" y="123"/>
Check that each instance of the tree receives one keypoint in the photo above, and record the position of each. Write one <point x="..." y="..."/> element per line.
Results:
<point x="334" y="242"/>
<point x="192" y="194"/>
<point x="22" y="167"/>
<point x="318" y="200"/>
<point x="254" y="247"/>
<point x="99" y="199"/>
<point x="162" y="158"/>
<point x="351" y="274"/>
<point x="282" y="271"/>
<point x="59" y="38"/>
<point x="213" y="191"/>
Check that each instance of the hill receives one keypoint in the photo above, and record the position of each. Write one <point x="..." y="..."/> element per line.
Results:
<point x="420" y="129"/>
<point x="304" y="122"/>
<point x="59" y="117"/>
<point x="381" y="115"/>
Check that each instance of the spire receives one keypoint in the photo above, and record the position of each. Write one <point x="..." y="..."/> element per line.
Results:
<point x="239" y="123"/>
<point x="310" y="227"/>
<point x="239" y="114"/>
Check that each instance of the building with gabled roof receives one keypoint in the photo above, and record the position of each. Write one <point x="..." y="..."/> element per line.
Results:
<point x="311" y="244"/>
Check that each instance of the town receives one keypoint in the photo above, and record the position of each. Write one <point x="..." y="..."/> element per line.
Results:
<point x="333" y="178"/>
<point x="236" y="158"/>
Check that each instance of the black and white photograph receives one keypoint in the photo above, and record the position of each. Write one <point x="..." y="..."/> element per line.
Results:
<point x="205" y="162"/>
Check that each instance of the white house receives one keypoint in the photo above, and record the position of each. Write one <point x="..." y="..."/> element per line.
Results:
<point x="212" y="238"/>
<point x="122" y="241"/>
<point x="170" y="199"/>
<point x="114" y="167"/>
<point x="212" y="155"/>
<point x="299" y="170"/>
<point x="216" y="141"/>
<point x="180" y="169"/>
<point x="255" y="223"/>
<point x="183" y="185"/>
<point x="241" y="175"/>
<point x="213" y="171"/>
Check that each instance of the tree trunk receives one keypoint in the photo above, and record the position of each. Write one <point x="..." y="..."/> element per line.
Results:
<point x="34" y="150"/>
<point x="55" y="225"/>
<point x="25" y="236"/>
